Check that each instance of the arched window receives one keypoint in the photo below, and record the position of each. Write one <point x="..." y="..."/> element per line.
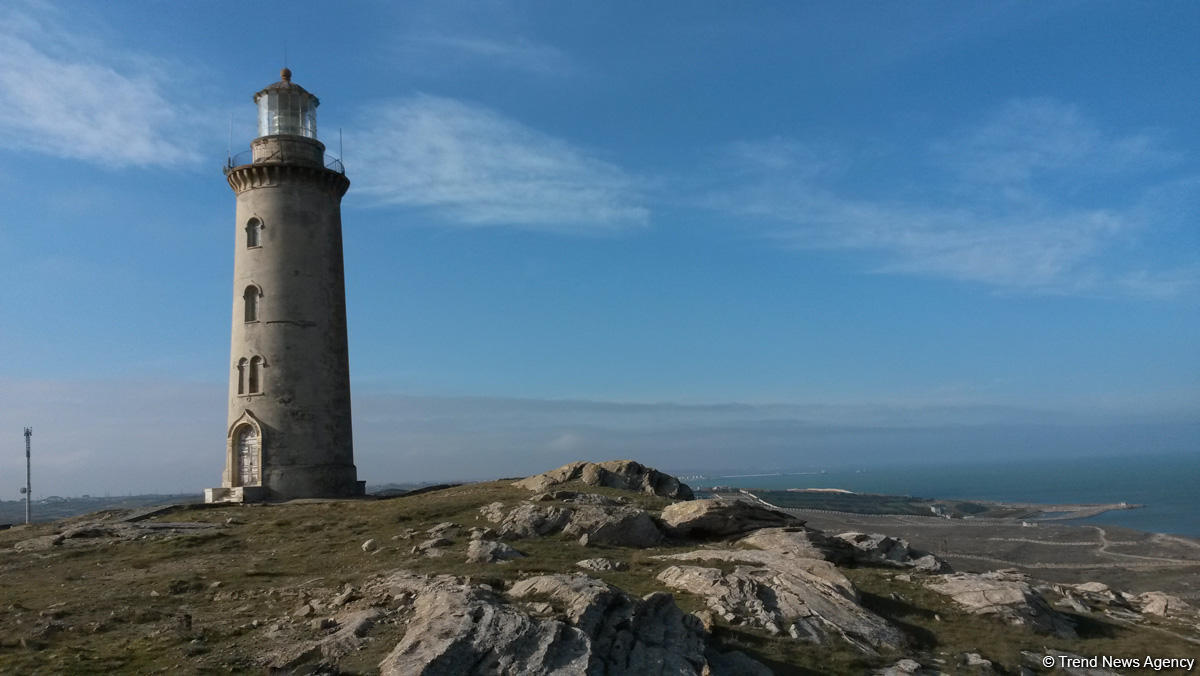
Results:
<point x="251" y="297"/>
<point x="241" y="367"/>
<point x="255" y="375"/>
<point x="253" y="233"/>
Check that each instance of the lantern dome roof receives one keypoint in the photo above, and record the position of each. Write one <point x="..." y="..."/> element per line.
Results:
<point x="285" y="84"/>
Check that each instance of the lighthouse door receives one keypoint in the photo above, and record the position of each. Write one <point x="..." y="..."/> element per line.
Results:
<point x="248" y="448"/>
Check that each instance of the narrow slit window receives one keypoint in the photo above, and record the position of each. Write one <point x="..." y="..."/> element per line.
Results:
<point x="250" y="297"/>
<point x="241" y="368"/>
<point x="253" y="233"/>
<point x="256" y="375"/>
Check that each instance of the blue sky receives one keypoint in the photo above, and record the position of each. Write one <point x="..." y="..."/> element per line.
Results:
<point x="699" y="234"/>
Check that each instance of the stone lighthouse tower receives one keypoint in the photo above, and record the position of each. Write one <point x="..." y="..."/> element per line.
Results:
<point x="288" y="433"/>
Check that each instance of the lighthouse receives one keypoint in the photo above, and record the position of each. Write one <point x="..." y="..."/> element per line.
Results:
<point x="289" y="433"/>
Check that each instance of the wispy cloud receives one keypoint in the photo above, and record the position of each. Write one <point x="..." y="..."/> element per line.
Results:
<point x="1031" y="199"/>
<point x="1032" y="140"/>
<point x="511" y="53"/>
<point x="64" y="94"/>
<point x="1161" y="283"/>
<point x="473" y="166"/>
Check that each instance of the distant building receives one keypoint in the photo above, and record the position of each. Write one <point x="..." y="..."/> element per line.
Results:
<point x="289" y="432"/>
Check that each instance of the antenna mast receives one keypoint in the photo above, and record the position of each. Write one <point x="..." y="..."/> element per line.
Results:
<point x="28" y="490"/>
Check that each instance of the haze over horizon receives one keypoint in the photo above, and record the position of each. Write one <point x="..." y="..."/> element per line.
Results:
<point x="695" y="235"/>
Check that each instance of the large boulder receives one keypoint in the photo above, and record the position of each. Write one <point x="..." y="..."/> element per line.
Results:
<point x="795" y="603"/>
<point x="878" y="549"/>
<point x="624" y="474"/>
<point x="461" y="629"/>
<point x="825" y="572"/>
<point x="706" y="519"/>
<point x="1006" y="595"/>
<point x="800" y="542"/>
<point x="1158" y="603"/>
<point x="490" y="551"/>
<point x="530" y="520"/>
<point x="594" y="524"/>
<point x="639" y="636"/>
<point x="616" y="526"/>
<point x="456" y="628"/>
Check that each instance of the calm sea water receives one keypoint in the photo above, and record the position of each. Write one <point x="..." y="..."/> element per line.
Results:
<point x="1169" y="486"/>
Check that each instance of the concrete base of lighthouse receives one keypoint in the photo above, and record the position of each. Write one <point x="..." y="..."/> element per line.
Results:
<point x="243" y="494"/>
<point x="235" y="494"/>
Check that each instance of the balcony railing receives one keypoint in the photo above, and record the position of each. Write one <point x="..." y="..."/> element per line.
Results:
<point x="247" y="156"/>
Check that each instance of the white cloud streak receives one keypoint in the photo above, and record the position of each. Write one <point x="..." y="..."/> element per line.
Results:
<point x="1029" y="200"/>
<point x="515" y="53"/>
<point x="472" y="166"/>
<point x="67" y="96"/>
<point x="1040" y="139"/>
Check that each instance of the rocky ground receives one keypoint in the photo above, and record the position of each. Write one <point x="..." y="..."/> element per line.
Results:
<point x="606" y="568"/>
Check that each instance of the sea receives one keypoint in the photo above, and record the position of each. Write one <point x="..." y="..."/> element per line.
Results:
<point x="1168" y="485"/>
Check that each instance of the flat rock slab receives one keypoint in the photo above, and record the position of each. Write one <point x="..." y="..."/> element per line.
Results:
<point x="702" y="519"/>
<point x="1006" y="595"/>
<point x="795" y="603"/>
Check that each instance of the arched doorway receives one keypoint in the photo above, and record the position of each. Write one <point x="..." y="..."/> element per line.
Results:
<point x="248" y="448"/>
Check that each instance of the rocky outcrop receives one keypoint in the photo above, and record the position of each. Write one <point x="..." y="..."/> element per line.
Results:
<point x="580" y="626"/>
<point x="530" y="520"/>
<point x="616" y="526"/>
<point x="707" y="519"/>
<point x="1158" y="603"/>
<point x="827" y="572"/>
<point x="352" y="626"/>
<point x="1006" y="595"/>
<point x="908" y="667"/>
<point x="878" y="549"/>
<point x="433" y="547"/>
<point x="445" y="529"/>
<point x="649" y="635"/>
<point x="493" y="512"/>
<point x="594" y="524"/>
<point x="579" y="498"/>
<point x="463" y="629"/>
<point x="623" y="474"/>
<point x="795" y="602"/>
<point x="490" y="551"/>
<point x="800" y="542"/>
<point x="601" y="564"/>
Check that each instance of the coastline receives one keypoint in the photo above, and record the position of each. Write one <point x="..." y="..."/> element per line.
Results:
<point x="1089" y="490"/>
<point x="1058" y="551"/>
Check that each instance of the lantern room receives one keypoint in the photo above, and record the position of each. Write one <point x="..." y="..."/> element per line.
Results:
<point x="286" y="108"/>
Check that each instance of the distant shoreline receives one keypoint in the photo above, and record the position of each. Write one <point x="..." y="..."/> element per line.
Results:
<point x="1055" y="549"/>
<point x="840" y="501"/>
